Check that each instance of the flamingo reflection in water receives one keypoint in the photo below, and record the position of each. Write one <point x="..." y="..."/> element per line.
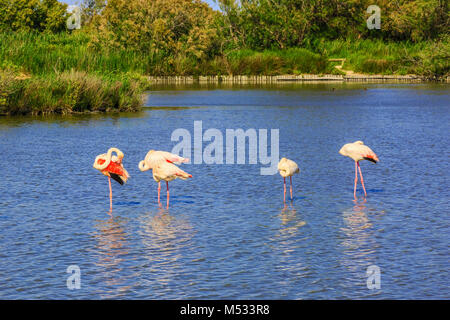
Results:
<point x="167" y="240"/>
<point x="358" y="241"/>
<point x="113" y="252"/>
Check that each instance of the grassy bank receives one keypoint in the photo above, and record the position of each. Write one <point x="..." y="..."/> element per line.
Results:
<point x="44" y="54"/>
<point x="59" y="73"/>
<point x="65" y="93"/>
<point x="428" y="58"/>
<point x="65" y="73"/>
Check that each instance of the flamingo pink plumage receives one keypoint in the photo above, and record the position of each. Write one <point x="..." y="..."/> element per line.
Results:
<point x="358" y="151"/>
<point x="112" y="167"/>
<point x="163" y="168"/>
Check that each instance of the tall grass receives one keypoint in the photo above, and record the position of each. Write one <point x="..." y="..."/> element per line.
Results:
<point x="66" y="74"/>
<point x="426" y="58"/>
<point x="43" y="54"/>
<point x="273" y="62"/>
<point x="68" y="92"/>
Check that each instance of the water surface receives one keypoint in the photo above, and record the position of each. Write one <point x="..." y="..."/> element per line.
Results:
<point x="227" y="234"/>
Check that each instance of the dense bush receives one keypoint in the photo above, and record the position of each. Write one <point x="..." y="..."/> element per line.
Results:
<point x="426" y="58"/>
<point x="275" y="62"/>
<point x="43" y="54"/>
<point x="65" y="93"/>
<point x="45" y="68"/>
<point x="168" y="28"/>
<point x="33" y="15"/>
<point x="128" y="39"/>
<point x="164" y="29"/>
<point x="262" y="24"/>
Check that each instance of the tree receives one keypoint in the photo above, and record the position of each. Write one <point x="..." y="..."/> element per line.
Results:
<point x="90" y="9"/>
<point x="161" y="27"/>
<point x="32" y="15"/>
<point x="264" y="24"/>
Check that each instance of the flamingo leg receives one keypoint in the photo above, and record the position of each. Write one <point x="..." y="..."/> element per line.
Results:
<point x="291" y="188"/>
<point x="284" y="184"/>
<point x="159" y="191"/>
<point x="110" y="196"/>
<point x="356" y="179"/>
<point x="362" y="181"/>
<point x="168" y="195"/>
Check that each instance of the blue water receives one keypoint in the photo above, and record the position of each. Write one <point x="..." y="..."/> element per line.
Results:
<point x="227" y="233"/>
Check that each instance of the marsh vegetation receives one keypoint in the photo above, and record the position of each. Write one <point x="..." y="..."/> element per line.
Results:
<point x="123" y="41"/>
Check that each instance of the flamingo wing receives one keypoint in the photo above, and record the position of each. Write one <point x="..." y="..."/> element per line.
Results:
<point x="368" y="154"/>
<point x="115" y="170"/>
<point x="358" y="151"/>
<point x="158" y="157"/>
<point x="117" y="178"/>
<point x="169" y="171"/>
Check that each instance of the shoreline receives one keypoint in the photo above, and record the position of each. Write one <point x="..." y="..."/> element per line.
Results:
<point x="81" y="93"/>
<point x="362" y="78"/>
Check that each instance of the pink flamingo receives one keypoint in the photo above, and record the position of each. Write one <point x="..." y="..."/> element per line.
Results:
<point x="163" y="168"/>
<point x="112" y="167"/>
<point x="287" y="168"/>
<point x="358" y="151"/>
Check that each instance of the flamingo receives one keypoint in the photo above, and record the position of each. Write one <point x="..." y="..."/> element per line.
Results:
<point x="358" y="151"/>
<point x="163" y="168"/>
<point x="112" y="167"/>
<point x="287" y="168"/>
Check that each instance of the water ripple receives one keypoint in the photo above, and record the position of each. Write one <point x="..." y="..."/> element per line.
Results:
<point x="227" y="234"/>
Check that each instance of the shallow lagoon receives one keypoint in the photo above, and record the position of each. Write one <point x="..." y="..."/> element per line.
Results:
<point x="227" y="234"/>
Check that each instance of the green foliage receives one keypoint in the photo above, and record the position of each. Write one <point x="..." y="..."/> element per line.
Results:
<point x="265" y="24"/>
<point x="45" y="68"/>
<point x="165" y="28"/>
<point x="44" y="54"/>
<point x="279" y="24"/>
<point x="7" y="88"/>
<point x="276" y="62"/>
<point x="32" y="15"/>
<point x="170" y="28"/>
<point x="66" y="93"/>
<point x="91" y="10"/>
<point x="414" y="20"/>
<point x="427" y="58"/>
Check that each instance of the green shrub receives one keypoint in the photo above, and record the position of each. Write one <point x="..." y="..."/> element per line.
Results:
<point x="33" y="15"/>
<point x="65" y="93"/>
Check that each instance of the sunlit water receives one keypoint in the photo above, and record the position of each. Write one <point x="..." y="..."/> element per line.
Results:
<point x="227" y="234"/>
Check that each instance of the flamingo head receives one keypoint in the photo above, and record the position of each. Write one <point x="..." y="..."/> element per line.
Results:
<point x="116" y="159"/>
